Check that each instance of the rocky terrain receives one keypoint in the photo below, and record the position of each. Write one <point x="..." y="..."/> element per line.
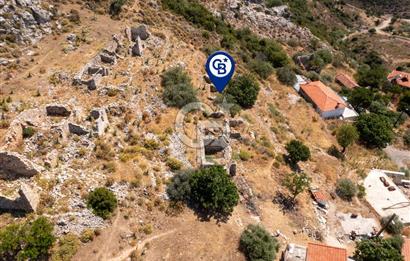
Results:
<point x="82" y="107"/>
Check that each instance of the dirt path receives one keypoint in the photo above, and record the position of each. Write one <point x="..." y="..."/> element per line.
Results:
<point x="104" y="247"/>
<point x="126" y="253"/>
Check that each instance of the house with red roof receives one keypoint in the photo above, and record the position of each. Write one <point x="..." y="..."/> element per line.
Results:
<point x="346" y="81"/>
<point x="314" y="252"/>
<point x="326" y="101"/>
<point x="400" y="78"/>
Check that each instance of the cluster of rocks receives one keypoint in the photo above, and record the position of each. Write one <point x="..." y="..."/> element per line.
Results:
<point x="269" y="22"/>
<point x="24" y="21"/>
<point x="136" y="35"/>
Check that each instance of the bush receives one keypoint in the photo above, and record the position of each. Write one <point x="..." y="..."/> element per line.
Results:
<point x="373" y="76"/>
<point x="404" y="103"/>
<point x="395" y="227"/>
<point x="28" y="132"/>
<point x="257" y="244"/>
<point x="179" y="188"/>
<point x="244" y="90"/>
<point x="346" y="189"/>
<point x="66" y="248"/>
<point x="87" y="236"/>
<point x="178" y="89"/>
<point x="174" y="164"/>
<point x="377" y="249"/>
<point x="406" y="138"/>
<point x="286" y="76"/>
<point x="244" y="155"/>
<point x="374" y="130"/>
<point x="297" y="151"/>
<point x="313" y="76"/>
<point x="273" y="3"/>
<point x="102" y="201"/>
<point x="29" y="241"/>
<point x="361" y="191"/>
<point x="296" y="183"/>
<point x="335" y="152"/>
<point x="325" y="55"/>
<point x="116" y="6"/>
<point x="262" y="68"/>
<point x="213" y="191"/>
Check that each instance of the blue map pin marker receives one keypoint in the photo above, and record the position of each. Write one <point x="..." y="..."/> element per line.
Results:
<point x="220" y="68"/>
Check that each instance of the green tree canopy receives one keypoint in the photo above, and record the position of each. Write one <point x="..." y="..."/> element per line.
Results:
<point x="213" y="190"/>
<point x="296" y="183"/>
<point x="244" y="89"/>
<point x="286" y="76"/>
<point x="404" y="104"/>
<point x="374" y="130"/>
<point x="361" y="98"/>
<point x="346" y="135"/>
<point x="102" y="201"/>
<point x="257" y="244"/>
<point x="373" y="76"/>
<point x="28" y="241"/>
<point x="395" y="227"/>
<point x="377" y="249"/>
<point x="297" y="151"/>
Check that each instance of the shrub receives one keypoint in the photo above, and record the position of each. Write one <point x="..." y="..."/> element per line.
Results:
<point x="374" y="130"/>
<point x="66" y="248"/>
<point x="297" y="151"/>
<point x="406" y="138"/>
<point x="244" y="90"/>
<point x="87" y="236"/>
<point x="373" y="76"/>
<point x="325" y="55"/>
<point x="179" y="188"/>
<point x="404" y="103"/>
<point x="286" y="76"/>
<point x="244" y="155"/>
<point x="314" y="76"/>
<point x="29" y="241"/>
<point x="213" y="191"/>
<point x="174" y="164"/>
<point x="377" y="249"/>
<point x="395" y="227"/>
<point x="178" y="89"/>
<point x="361" y="191"/>
<point x="346" y="189"/>
<point x="273" y="3"/>
<point x="262" y="68"/>
<point x="257" y="244"/>
<point x="102" y="201"/>
<point x="335" y="152"/>
<point x="28" y="132"/>
<point x="116" y="6"/>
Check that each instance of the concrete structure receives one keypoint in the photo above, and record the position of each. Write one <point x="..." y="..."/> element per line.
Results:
<point x="294" y="252"/>
<point x="385" y="197"/>
<point x="300" y="79"/>
<point x="326" y="102"/>
<point x="362" y="227"/>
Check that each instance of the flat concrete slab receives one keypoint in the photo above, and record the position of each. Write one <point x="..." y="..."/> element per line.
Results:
<point x="383" y="201"/>
<point x="360" y="225"/>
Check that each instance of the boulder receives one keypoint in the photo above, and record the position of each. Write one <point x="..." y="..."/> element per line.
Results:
<point x="213" y="146"/>
<point x="27" y="201"/>
<point x="14" y="166"/>
<point x="235" y="122"/>
<point x="217" y="114"/>
<point x="77" y="129"/>
<point x="137" y="48"/>
<point x="232" y="169"/>
<point x="41" y="15"/>
<point x="97" y="70"/>
<point x="107" y="58"/>
<point x="141" y="32"/>
<point x="101" y="120"/>
<point x="111" y="48"/>
<point x="57" y="110"/>
<point x="93" y="82"/>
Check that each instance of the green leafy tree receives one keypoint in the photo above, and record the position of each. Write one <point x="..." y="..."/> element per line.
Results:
<point x="377" y="249"/>
<point x="262" y="68"/>
<point x="346" y="189"/>
<point x="286" y="76"/>
<point x="244" y="89"/>
<point x="404" y="104"/>
<point x="395" y="227"/>
<point x="346" y="135"/>
<point x="373" y="76"/>
<point x="257" y="244"/>
<point x="213" y="190"/>
<point x="297" y="151"/>
<point x="179" y="188"/>
<point x="361" y="98"/>
<point x="374" y="130"/>
<point x="325" y="55"/>
<point x="102" y="201"/>
<point x="29" y="241"/>
<point x="178" y="89"/>
<point x="297" y="183"/>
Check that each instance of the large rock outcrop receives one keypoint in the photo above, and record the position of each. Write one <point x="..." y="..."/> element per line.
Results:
<point x="14" y="166"/>
<point x="27" y="200"/>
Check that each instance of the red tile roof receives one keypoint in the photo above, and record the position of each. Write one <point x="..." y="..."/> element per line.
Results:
<point x="322" y="96"/>
<point x="320" y="196"/>
<point x="405" y="251"/>
<point x="320" y="252"/>
<point x="346" y="81"/>
<point x="401" y="78"/>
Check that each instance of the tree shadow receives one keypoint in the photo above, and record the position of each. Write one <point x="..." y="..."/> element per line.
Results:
<point x="286" y="203"/>
<point x="293" y="165"/>
<point x="205" y="215"/>
<point x="14" y="213"/>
